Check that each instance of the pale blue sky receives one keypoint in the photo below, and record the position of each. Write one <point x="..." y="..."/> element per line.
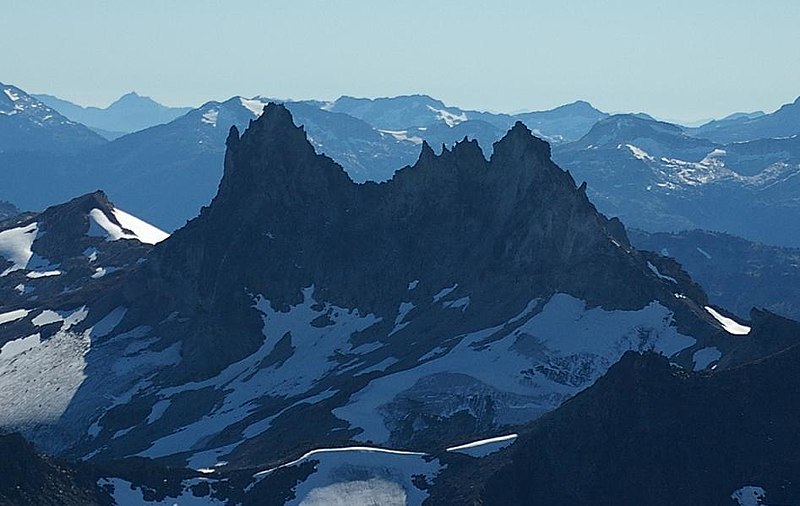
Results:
<point x="675" y="59"/>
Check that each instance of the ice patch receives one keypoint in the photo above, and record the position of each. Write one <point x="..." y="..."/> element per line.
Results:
<point x="705" y="357"/>
<point x="731" y="326"/>
<point x="484" y="447"/>
<point x="413" y="284"/>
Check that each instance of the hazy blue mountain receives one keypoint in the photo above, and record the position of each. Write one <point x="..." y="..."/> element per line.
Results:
<point x="424" y="117"/>
<point x="737" y="274"/>
<point x="28" y="125"/>
<point x="564" y="123"/>
<point x="785" y="122"/>
<point x="130" y="113"/>
<point x="656" y="177"/>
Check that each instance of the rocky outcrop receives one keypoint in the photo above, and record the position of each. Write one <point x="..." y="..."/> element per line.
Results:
<point x="651" y="433"/>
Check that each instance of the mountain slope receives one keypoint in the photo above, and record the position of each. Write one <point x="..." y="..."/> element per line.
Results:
<point x="651" y="433"/>
<point x="26" y="124"/>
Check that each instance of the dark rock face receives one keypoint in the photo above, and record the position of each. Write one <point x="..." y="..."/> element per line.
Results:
<point x="285" y="218"/>
<point x="650" y="433"/>
<point x="32" y="479"/>
<point x="517" y="213"/>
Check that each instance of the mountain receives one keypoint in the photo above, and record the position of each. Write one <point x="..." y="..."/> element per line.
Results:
<point x="655" y="177"/>
<point x="129" y="113"/>
<point x="738" y="274"/>
<point x="164" y="174"/>
<point x="427" y="118"/>
<point x="565" y="123"/>
<point x="26" y="124"/>
<point x="304" y="327"/>
<point x="785" y="122"/>
<point x="651" y="433"/>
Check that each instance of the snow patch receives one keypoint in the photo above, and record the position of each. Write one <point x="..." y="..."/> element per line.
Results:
<point x="705" y="357"/>
<point x="126" y="494"/>
<point x="402" y="136"/>
<point x="254" y="105"/>
<point x="749" y="496"/>
<point x="551" y="356"/>
<point x="704" y="253"/>
<point x="130" y="227"/>
<point x="462" y="304"/>
<point x="11" y="95"/>
<point x="639" y="153"/>
<point x="658" y="274"/>
<point x="730" y="325"/>
<point x="18" y="346"/>
<point x="451" y="119"/>
<point x="12" y="316"/>
<point x="444" y="292"/>
<point x="210" y="117"/>
<point x="484" y="447"/>
<point x="43" y="274"/>
<point x="15" y="246"/>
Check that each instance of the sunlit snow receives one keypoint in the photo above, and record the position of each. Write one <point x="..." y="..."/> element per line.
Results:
<point x="731" y="326"/>
<point x="484" y="447"/>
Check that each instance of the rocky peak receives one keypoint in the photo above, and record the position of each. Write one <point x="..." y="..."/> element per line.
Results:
<point x="286" y="218"/>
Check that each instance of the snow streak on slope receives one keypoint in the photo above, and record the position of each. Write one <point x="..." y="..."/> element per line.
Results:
<point x="527" y="372"/>
<point x="484" y="447"/>
<point x="131" y="227"/>
<point x="730" y="325"/>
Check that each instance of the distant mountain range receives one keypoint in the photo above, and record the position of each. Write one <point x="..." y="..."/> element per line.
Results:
<point x="654" y="175"/>
<point x="130" y="113"/>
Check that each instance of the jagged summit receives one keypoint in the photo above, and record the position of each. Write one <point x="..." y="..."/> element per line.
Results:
<point x="516" y="223"/>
